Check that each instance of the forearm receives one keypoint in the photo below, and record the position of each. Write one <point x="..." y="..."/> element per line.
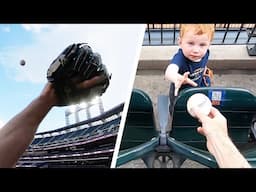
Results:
<point x="226" y="153"/>
<point x="171" y="73"/>
<point x="18" y="133"/>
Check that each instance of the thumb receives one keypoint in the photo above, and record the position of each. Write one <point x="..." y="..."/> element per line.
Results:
<point x="200" y="130"/>
<point x="198" y="114"/>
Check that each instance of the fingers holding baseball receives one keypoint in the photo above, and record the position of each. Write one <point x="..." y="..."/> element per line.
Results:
<point x="213" y="124"/>
<point x="200" y="130"/>
<point x="212" y="114"/>
<point x="200" y="114"/>
<point x="202" y="118"/>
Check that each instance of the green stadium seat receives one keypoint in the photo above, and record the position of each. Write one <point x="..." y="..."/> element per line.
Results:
<point x="142" y="139"/>
<point x="236" y="104"/>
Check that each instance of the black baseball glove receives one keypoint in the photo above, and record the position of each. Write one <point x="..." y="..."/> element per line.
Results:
<point x="78" y="74"/>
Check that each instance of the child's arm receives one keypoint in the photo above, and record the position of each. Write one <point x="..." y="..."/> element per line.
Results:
<point x="172" y="75"/>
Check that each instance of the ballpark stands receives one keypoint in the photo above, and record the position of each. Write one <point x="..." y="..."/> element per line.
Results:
<point x="86" y="144"/>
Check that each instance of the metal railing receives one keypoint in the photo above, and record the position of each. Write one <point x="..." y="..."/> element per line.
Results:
<point x="225" y="34"/>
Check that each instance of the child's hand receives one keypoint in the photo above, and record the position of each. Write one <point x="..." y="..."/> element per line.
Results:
<point x="183" y="79"/>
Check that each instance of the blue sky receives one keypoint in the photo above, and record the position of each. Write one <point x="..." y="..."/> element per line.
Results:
<point x="39" y="44"/>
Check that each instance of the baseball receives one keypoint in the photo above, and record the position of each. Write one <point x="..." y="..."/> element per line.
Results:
<point x="201" y="101"/>
<point x="22" y="62"/>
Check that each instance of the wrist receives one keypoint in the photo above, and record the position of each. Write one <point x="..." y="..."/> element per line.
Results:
<point x="218" y="137"/>
<point x="48" y="96"/>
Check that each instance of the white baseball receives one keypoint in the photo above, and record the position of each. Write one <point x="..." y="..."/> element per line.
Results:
<point x="201" y="101"/>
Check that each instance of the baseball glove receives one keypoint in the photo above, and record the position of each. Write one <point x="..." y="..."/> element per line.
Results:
<point x="78" y="74"/>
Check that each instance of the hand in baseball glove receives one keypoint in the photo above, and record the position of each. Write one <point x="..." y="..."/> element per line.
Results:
<point x="78" y="74"/>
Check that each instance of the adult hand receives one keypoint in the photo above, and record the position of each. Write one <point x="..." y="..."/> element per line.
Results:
<point x="213" y="126"/>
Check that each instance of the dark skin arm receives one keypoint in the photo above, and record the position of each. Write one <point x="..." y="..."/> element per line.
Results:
<point x="17" y="134"/>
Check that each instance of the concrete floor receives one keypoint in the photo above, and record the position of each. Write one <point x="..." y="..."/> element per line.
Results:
<point x="153" y="83"/>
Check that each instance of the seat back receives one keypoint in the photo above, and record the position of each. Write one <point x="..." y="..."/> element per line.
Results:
<point x="236" y="104"/>
<point x="140" y="121"/>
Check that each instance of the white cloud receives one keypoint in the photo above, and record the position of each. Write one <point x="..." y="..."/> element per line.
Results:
<point x="115" y="42"/>
<point x="118" y="44"/>
<point x="37" y="28"/>
<point x="6" y="28"/>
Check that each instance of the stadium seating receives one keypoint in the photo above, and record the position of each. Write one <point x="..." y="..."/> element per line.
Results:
<point x="177" y="138"/>
<point x="89" y="143"/>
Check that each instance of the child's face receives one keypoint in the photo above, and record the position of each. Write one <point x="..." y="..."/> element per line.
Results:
<point x="194" y="46"/>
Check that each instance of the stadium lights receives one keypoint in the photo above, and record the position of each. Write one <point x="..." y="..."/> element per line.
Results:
<point x="75" y="109"/>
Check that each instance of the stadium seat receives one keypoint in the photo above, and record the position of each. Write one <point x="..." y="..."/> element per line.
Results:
<point x="236" y="104"/>
<point x="140" y="129"/>
<point x="171" y="146"/>
<point x="140" y="122"/>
